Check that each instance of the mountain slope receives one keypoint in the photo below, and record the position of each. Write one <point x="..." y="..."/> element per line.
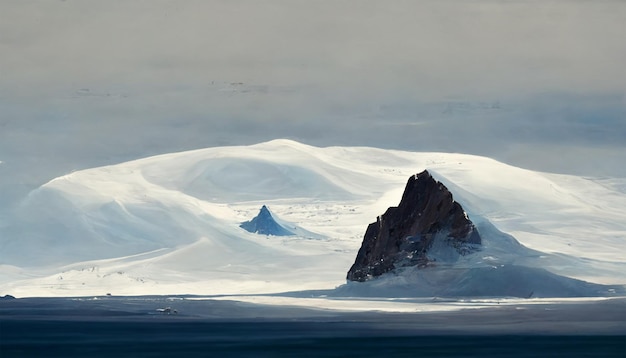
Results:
<point x="170" y="223"/>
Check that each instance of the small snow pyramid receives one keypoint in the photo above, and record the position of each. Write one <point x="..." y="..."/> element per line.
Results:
<point x="265" y="224"/>
<point x="427" y="227"/>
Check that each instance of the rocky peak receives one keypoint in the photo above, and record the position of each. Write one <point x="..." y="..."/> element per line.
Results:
<point x="265" y="224"/>
<point x="427" y="226"/>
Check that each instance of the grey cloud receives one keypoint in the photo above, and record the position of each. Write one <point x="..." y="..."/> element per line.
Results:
<point x="88" y="83"/>
<point x="428" y="48"/>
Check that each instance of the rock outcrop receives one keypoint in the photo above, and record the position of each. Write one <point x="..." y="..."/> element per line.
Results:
<point x="427" y="227"/>
<point x="265" y="224"/>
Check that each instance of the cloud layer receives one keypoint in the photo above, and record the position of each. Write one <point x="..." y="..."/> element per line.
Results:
<point x="85" y="83"/>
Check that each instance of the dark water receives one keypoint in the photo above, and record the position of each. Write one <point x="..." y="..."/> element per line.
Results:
<point x="271" y="339"/>
<point x="132" y="328"/>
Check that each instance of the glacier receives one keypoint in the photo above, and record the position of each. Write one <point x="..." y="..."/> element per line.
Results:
<point x="169" y="224"/>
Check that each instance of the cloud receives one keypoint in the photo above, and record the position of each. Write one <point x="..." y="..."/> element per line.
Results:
<point x="88" y="83"/>
<point x="430" y="49"/>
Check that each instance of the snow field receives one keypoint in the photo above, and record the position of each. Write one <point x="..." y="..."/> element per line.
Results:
<point x="169" y="224"/>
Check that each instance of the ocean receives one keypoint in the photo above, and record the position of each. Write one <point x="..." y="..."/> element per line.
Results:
<point x="66" y="328"/>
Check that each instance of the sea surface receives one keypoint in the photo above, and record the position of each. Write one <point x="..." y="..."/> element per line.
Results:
<point x="122" y="328"/>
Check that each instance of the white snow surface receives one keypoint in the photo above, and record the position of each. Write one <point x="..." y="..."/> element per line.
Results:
<point x="169" y="224"/>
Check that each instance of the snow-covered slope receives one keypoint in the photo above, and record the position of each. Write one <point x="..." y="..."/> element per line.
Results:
<point x="170" y="223"/>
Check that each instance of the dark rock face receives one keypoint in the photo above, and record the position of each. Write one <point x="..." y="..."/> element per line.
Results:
<point x="265" y="224"/>
<point x="426" y="224"/>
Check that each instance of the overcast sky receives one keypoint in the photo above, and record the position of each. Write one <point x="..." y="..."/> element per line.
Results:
<point x="539" y="84"/>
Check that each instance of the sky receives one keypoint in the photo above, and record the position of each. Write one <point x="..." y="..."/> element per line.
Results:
<point x="84" y="83"/>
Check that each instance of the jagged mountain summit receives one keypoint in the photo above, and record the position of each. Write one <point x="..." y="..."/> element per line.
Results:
<point x="427" y="246"/>
<point x="426" y="227"/>
<point x="265" y="224"/>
